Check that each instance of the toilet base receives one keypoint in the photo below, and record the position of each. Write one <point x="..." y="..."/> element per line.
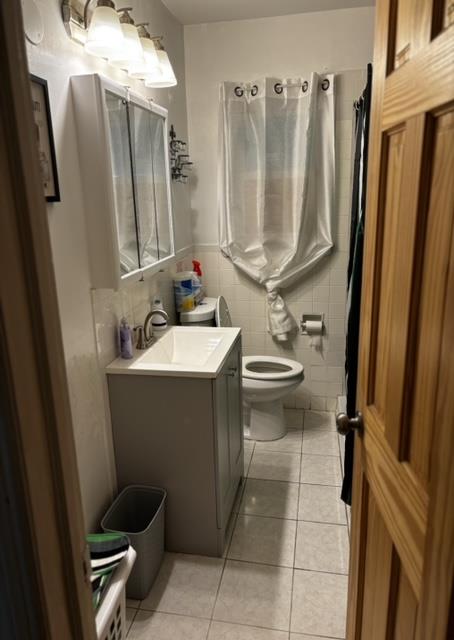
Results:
<point x="264" y="421"/>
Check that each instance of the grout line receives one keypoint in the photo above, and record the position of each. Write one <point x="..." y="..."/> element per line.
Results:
<point x="260" y="515"/>
<point x="173" y="613"/>
<point x="296" y="535"/>
<point x="132" y="621"/>
<point x="257" y="626"/>
<point x="277" y="566"/>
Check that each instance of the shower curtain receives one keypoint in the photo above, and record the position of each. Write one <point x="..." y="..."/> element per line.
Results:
<point x="276" y="182"/>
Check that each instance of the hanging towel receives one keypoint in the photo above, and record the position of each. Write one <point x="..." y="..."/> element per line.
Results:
<point x="355" y="270"/>
<point x="107" y="550"/>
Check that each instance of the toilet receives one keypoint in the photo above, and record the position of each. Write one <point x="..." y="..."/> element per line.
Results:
<point x="266" y="379"/>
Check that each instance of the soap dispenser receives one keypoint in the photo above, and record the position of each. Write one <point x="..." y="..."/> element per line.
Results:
<point x="158" y="320"/>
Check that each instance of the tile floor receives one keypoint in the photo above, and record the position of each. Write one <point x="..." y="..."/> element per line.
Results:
<point x="284" y="572"/>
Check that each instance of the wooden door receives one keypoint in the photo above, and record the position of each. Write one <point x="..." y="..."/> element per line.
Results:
<point x="46" y="590"/>
<point x="401" y="566"/>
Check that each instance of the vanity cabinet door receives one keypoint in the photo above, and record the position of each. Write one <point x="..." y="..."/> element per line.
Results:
<point x="229" y="433"/>
<point x="236" y="432"/>
<point x="223" y="473"/>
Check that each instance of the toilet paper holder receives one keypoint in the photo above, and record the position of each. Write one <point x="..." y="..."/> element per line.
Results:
<point x="312" y="317"/>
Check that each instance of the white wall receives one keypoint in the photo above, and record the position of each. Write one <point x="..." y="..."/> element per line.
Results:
<point x="288" y="46"/>
<point x="56" y="59"/>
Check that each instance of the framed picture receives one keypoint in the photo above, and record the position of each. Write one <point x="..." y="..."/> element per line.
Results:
<point x="45" y="138"/>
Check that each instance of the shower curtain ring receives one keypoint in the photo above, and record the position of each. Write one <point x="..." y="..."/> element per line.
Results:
<point x="254" y="90"/>
<point x="278" y="87"/>
<point x="238" y="92"/>
<point x="325" y="84"/>
<point x="305" y="86"/>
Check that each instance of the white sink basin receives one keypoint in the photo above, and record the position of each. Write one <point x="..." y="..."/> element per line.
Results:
<point x="181" y="351"/>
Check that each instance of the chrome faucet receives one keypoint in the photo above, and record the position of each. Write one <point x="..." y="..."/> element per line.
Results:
<point x="144" y="332"/>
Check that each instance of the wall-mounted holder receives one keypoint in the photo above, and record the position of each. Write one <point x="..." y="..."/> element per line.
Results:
<point x="312" y="323"/>
<point x="179" y="162"/>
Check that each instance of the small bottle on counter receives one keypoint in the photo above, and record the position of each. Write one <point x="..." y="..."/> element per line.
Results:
<point x="126" y="349"/>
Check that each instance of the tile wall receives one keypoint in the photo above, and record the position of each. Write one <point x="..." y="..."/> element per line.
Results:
<point x="321" y="291"/>
<point x="133" y="303"/>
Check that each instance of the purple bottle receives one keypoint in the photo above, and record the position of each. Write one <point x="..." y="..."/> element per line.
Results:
<point x="126" y="350"/>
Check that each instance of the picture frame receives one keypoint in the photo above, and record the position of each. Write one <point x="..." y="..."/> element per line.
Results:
<point x="45" y="138"/>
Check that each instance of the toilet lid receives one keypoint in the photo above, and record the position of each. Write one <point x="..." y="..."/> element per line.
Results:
<point x="270" y="368"/>
<point x="222" y="313"/>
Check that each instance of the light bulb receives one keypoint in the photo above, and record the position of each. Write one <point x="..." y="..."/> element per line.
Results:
<point x="149" y="63"/>
<point x="131" y="51"/>
<point x="105" y="35"/>
<point x="165" y="77"/>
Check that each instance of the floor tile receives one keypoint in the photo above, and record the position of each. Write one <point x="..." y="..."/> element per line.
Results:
<point x="294" y="418"/>
<point x="133" y="604"/>
<point x="267" y="540"/>
<point x="129" y="614"/>
<point x="322" y="547"/>
<point x="165" y="626"/>
<point x="228" y="631"/>
<point x="317" y="469"/>
<point x="255" y="594"/>
<point x="291" y="443"/>
<point x="325" y="420"/>
<point x="270" y="498"/>
<point x="186" y="584"/>
<point x="320" y="503"/>
<point x="319" y="603"/>
<point x="274" y="465"/>
<point x="321" y="442"/>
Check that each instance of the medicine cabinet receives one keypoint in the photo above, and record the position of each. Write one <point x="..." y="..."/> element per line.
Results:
<point x="123" y="151"/>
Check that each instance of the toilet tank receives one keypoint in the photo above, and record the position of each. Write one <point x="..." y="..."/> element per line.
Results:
<point x="202" y="316"/>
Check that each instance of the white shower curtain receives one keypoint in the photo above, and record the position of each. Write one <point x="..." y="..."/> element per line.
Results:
<point x="277" y="182"/>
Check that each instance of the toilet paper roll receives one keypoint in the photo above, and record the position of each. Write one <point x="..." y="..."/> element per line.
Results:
<point x="314" y="329"/>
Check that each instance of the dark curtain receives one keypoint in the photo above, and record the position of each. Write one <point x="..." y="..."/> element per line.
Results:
<point x="355" y="269"/>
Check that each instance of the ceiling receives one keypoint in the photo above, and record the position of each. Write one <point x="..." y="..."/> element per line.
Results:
<point x="200" y="11"/>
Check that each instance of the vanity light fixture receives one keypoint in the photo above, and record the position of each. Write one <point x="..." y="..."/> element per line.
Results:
<point x="166" y="76"/>
<point x="131" y="52"/>
<point x="149" y="65"/>
<point x="104" y="35"/>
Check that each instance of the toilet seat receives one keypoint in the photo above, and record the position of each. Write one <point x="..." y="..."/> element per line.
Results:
<point x="270" y="368"/>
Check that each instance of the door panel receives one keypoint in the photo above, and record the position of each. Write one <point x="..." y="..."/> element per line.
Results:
<point x="403" y="528"/>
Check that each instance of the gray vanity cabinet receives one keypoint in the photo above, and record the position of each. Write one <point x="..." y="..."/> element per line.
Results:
<point x="184" y="434"/>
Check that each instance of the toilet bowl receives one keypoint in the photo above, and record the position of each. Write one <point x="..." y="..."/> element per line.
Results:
<point x="266" y="380"/>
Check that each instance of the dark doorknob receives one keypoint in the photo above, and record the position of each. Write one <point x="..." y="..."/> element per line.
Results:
<point x="344" y="424"/>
